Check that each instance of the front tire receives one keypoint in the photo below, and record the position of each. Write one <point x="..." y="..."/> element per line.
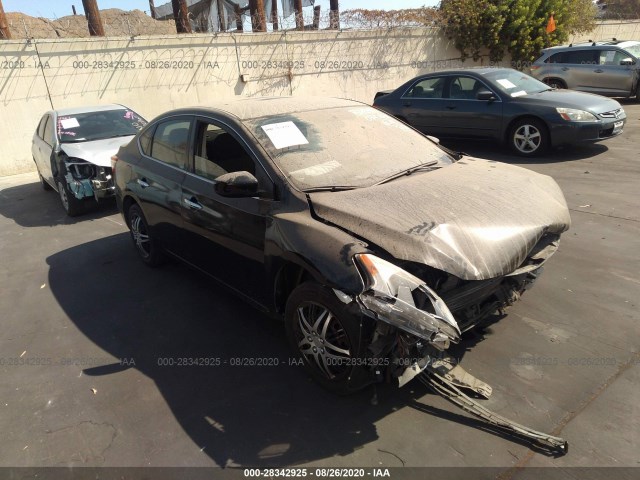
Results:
<point x="147" y="247"/>
<point x="70" y="203"/>
<point x="327" y="336"/>
<point x="528" y="137"/>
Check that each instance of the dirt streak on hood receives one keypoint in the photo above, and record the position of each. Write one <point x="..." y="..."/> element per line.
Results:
<point x="475" y="219"/>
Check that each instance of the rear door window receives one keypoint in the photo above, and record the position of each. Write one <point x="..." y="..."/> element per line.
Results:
<point x="171" y="143"/>
<point x="582" y="57"/>
<point x="41" y="126"/>
<point x="427" y="88"/>
<point x="49" y="132"/>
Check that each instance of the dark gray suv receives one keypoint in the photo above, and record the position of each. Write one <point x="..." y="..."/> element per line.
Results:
<point x="606" y="68"/>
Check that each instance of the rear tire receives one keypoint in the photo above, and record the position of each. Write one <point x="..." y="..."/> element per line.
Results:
<point x="555" y="83"/>
<point x="148" y="249"/>
<point x="327" y="336"/>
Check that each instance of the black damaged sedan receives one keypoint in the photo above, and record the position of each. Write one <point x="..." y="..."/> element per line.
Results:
<point x="505" y="105"/>
<point x="376" y="247"/>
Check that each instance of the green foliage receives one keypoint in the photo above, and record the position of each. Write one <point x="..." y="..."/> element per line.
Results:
<point x="514" y="26"/>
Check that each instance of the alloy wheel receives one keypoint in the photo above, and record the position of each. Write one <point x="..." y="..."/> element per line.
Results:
<point x="140" y="235"/>
<point x="323" y="340"/>
<point x="527" y="138"/>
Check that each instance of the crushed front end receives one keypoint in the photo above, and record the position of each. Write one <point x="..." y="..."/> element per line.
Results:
<point x="86" y="179"/>
<point x="414" y="327"/>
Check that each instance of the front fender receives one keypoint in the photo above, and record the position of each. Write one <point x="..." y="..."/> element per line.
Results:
<point x="324" y="251"/>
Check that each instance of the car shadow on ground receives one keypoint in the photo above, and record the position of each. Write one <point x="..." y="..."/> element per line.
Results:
<point x="31" y="206"/>
<point x="490" y="151"/>
<point x="269" y="415"/>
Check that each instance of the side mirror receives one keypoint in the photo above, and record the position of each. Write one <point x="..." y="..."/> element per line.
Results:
<point x="236" y="185"/>
<point x="485" y="95"/>
<point x="627" y="61"/>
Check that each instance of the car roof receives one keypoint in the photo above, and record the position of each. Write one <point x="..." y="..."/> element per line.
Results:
<point x="90" y="109"/>
<point x="592" y="44"/>
<point x="248" y="108"/>
<point x="477" y="70"/>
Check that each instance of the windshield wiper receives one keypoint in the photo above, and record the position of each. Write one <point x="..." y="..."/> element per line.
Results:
<point x="408" y="171"/>
<point x="330" y="188"/>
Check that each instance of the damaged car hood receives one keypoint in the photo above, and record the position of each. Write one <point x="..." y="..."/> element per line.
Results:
<point x="98" y="152"/>
<point x="475" y="219"/>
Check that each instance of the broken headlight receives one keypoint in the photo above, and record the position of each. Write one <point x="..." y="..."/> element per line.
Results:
<point x="406" y="302"/>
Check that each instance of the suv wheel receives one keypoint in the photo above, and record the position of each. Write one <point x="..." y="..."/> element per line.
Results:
<point x="528" y="137"/>
<point x="326" y="336"/>
<point x="148" y="249"/>
<point x="555" y="83"/>
<point x="43" y="183"/>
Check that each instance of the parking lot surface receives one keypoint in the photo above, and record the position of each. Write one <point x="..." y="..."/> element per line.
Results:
<point x="97" y="349"/>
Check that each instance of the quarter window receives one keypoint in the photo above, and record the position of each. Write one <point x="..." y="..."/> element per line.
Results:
<point x="170" y="143"/>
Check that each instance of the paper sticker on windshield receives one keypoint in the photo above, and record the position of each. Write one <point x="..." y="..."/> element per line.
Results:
<point x="284" y="134"/>
<point x="519" y="93"/>
<point x="316" y="170"/>
<point x="69" y="123"/>
<point x="505" y="83"/>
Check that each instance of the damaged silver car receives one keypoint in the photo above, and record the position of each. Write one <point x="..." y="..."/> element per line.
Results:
<point x="377" y="247"/>
<point x="72" y="150"/>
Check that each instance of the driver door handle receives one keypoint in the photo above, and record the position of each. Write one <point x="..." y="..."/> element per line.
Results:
<point x="142" y="182"/>
<point x="192" y="203"/>
<point x="599" y="70"/>
<point x="451" y="107"/>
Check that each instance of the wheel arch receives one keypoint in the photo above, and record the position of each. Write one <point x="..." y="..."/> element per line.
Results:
<point x="557" y="79"/>
<point x="127" y="202"/>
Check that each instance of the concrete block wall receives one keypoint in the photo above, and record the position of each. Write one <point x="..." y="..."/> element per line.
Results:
<point x="155" y="74"/>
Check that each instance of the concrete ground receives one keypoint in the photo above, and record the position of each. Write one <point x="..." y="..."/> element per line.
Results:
<point x="87" y="331"/>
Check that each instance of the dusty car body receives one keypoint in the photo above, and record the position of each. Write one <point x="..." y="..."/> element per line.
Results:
<point x="72" y="150"/>
<point x="376" y="247"/>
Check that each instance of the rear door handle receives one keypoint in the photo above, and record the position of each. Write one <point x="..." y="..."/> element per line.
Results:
<point x="599" y="70"/>
<point x="564" y="69"/>
<point x="406" y="104"/>
<point x="192" y="203"/>
<point x="451" y="107"/>
<point x="142" y="182"/>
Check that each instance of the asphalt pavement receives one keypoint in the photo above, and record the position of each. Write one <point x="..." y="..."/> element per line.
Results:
<point x="95" y="350"/>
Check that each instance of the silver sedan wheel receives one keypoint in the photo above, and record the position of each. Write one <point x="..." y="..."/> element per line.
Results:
<point x="140" y="236"/>
<point x="63" y="196"/>
<point x="527" y="138"/>
<point x="323" y="340"/>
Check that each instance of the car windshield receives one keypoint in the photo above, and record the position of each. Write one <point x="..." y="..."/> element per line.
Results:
<point x="348" y="147"/>
<point x="633" y="50"/>
<point x="514" y="83"/>
<point x="84" y="127"/>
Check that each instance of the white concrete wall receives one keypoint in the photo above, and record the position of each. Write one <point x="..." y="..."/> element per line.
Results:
<point x="155" y="74"/>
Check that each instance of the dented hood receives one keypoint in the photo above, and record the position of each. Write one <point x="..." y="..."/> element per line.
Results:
<point x="98" y="152"/>
<point x="475" y="219"/>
